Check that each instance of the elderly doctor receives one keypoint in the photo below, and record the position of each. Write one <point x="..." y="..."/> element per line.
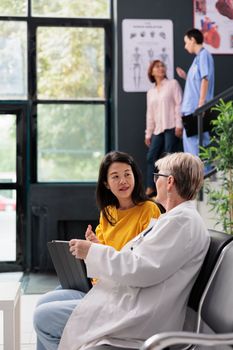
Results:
<point x="142" y="289"/>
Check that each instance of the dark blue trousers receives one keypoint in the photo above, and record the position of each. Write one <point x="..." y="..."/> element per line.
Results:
<point x="161" y="144"/>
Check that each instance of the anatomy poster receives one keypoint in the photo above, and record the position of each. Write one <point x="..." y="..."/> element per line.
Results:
<point x="144" y="41"/>
<point x="215" y="19"/>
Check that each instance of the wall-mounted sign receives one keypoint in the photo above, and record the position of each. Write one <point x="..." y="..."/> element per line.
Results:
<point x="145" y="40"/>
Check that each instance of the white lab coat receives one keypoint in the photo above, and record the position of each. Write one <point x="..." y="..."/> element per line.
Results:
<point x="141" y="291"/>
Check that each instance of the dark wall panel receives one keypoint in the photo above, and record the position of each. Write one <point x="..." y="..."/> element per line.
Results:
<point x="57" y="212"/>
<point x="131" y="107"/>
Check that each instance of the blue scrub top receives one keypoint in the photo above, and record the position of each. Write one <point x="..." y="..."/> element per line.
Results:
<point x="202" y="67"/>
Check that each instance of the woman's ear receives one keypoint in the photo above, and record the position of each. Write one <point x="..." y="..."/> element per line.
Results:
<point x="106" y="185"/>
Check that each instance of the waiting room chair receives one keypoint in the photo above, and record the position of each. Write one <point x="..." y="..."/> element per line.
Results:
<point x="218" y="240"/>
<point x="215" y="309"/>
<point x="217" y="243"/>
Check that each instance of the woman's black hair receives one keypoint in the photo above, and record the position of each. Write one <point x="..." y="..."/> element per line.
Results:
<point x="104" y="197"/>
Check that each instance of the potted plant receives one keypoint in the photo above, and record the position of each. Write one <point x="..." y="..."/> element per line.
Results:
<point x="219" y="153"/>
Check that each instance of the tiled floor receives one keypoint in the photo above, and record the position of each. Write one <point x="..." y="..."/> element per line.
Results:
<point x="28" y="302"/>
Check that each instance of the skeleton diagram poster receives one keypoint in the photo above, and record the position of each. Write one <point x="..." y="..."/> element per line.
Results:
<point x="144" y="41"/>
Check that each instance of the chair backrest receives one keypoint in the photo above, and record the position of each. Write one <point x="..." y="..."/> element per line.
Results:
<point x="218" y="241"/>
<point x="217" y="306"/>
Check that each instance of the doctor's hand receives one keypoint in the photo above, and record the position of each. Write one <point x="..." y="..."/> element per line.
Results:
<point x="181" y="73"/>
<point x="90" y="235"/>
<point x="79" y="248"/>
<point x="201" y="102"/>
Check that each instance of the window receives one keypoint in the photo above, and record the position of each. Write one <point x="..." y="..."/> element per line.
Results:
<point x="71" y="142"/>
<point x="55" y="71"/>
<point x="13" y="7"/>
<point x="54" y="55"/>
<point x="8" y="196"/>
<point x="71" y="8"/>
<point x="13" y="63"/>
<point x="70" y="63"/>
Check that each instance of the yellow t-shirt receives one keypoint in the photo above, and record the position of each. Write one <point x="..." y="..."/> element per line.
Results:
<point x="129" y="223"/>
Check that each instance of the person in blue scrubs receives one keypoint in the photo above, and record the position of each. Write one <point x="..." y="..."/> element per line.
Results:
<point x="199" y="85"/>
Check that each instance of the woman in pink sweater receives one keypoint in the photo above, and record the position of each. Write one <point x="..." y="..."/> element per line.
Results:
<point x="163" y="118"/>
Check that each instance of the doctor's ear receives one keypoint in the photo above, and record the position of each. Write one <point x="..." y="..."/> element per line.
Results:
<point x="171" y="180"/>
<point x="106" y="185"/>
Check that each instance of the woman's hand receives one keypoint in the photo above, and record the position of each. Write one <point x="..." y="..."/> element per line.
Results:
<point x="148" y="141"/>
<point x="179" y="132"/>
<point x="90" y="235"/>
<point x="79" y="248"/>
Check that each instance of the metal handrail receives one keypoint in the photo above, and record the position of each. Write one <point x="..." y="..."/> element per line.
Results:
<point x="225" y="94"/>
<point x="210" y="173"/>
<point x="199" y="112"/>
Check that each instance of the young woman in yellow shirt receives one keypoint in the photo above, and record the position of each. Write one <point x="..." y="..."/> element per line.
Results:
<point x="125" y="211"/>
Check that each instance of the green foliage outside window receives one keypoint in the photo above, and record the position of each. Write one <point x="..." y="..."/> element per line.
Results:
<point x="70" y="63"/>
<point x="71" y="8"/>
<point x="71" y="142"/>
<point x="13" y="7"/>
<point x="7" y="144"/>
<point x="57" y="8"/>
<point x="13" y="60"/>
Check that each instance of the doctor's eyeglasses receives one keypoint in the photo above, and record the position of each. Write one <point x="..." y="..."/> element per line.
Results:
<point x="156" y="176"/>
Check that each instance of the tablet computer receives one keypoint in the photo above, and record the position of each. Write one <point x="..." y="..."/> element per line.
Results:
<point x="71" y="272"/>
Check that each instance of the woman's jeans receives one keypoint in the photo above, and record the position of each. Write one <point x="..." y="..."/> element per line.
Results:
<point x="51" y="315"/>
<point x="161" y="144"/>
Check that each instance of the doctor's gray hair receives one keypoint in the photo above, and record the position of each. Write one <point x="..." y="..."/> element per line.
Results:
<point x="187" y="170"/>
